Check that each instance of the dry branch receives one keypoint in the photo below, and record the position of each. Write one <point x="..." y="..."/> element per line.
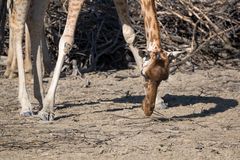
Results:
<point x="206" y="28"/>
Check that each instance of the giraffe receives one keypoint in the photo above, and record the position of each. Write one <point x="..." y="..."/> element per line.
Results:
<point x="154" y="68"/>
<point x="11" y="68"/>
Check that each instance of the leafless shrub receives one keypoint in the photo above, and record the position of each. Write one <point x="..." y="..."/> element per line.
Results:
<point x="196" y="33"/>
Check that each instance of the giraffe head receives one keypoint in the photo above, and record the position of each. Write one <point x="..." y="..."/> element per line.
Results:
<point x="154" y="71"/>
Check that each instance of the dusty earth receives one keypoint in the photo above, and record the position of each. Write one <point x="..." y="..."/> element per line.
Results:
<point x="99" y="117"/>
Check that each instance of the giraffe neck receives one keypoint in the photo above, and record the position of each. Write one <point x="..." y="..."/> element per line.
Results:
<point x="151" y="26"/>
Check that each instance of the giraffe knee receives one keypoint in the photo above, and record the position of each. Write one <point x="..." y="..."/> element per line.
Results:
<point x="65" y="44"/>
<point x="67" y="47"/>
<point x="128" y="33"/>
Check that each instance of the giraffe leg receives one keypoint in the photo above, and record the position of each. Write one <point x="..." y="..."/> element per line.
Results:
<point x="128" y="32"/>
<point x="35" y="29"/>
<point x="20" y="9"/>
<point x="27" y="58"/>
<point x="65" y="44"/>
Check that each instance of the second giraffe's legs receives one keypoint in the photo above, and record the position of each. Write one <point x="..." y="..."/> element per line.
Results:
<point x="128" y="32"/>
<point x="65" y="44"/>
<point x="45" y="56"/>
<point x="36" y="20"/>
<point x="11" y="69"/>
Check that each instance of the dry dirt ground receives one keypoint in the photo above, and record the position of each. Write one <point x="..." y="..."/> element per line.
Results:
<point x="99" y="118"/>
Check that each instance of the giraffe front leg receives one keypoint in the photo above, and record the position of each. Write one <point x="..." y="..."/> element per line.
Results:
<point x="65" y="45"/>
<point x="47" y="112"/>
<point x="20" y="10"/>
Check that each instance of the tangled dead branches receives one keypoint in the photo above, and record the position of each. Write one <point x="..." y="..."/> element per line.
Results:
<point x="207" y="28"/>
<point x="98" y="39"/>
<point x="197" y="33"/>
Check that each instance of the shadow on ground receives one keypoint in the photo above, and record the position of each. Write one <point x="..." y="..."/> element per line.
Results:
<point x="221" y="104"/>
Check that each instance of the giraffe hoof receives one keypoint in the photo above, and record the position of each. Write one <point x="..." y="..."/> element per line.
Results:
<point x="26" y="113"/>
<point x="45" y="116"/>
